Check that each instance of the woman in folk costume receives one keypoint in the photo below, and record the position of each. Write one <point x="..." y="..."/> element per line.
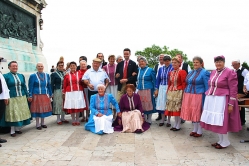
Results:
<point x="221" y="112"/>
<point x="56" y="85"/>
<point x="176" y="85"/>
<point x="17" y="113"/>
<point x="146" y="80"/>
<point x="161" y="88"/>
<point x="83" y="69"/>
<point x="40" y="95"/>
<point x="194" y="95"/>
<point x="112" y="88"/>
<point x="101" y="117"/>
<point x="131" y="119"/>
<point x="4" y="97"/>
<point x="73" y="93"/>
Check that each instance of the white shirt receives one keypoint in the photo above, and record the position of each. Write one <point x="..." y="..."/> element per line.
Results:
<point x="95" y="77"/>
<point x="159" y="65"/>
<point x="5" y="94"/>
<point x="244" y="72"/>
<point x="246" y="81"/>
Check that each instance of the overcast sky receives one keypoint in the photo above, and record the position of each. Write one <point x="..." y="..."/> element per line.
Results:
<point x="205" y="28"/>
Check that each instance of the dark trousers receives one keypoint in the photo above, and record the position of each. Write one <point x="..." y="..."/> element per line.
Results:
<point x="90" y="93"/>
<point x="242" y="113"/>
<point x="2" y="108"/>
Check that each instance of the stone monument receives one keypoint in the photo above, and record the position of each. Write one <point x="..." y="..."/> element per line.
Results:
<point x="20" y="25"/>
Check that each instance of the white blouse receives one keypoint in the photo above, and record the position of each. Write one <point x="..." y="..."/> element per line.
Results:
<point x="5" y="94"/>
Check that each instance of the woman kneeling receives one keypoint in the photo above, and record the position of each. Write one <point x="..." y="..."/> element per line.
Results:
<point x="100" y="121"/>
<point x="131" y="119"/>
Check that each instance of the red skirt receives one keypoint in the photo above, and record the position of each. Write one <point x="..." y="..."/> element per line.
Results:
<point x="172" y="113"/>
<point x="40" y="104"/>
<point x="191" y="107"/>
<point x="70" y="111"/>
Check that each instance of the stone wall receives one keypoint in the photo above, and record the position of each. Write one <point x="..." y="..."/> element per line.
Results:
<point x="27" y="54"/>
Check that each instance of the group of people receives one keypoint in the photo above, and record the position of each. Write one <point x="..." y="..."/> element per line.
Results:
<point x="122" y="96"/>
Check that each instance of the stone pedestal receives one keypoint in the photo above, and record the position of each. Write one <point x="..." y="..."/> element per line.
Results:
<point x="20" y="25"/>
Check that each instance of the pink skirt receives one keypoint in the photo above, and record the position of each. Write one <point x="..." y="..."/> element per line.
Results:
<point x="191" y="107"/>
<point x="40" y="104"/>
<point x="146" y="99"/>
<point x="132" y="121"/>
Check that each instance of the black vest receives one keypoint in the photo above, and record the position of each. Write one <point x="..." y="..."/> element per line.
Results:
<point x="240" y="80"/>
<point x="185" y="67"/>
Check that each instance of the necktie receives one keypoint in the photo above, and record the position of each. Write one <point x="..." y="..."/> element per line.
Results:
<point x="1" y="89"/>
<point x="125" y="70"/>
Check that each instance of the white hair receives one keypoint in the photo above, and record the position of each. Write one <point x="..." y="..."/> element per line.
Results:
<point x="39" y="63"/>
<point x="83" y="61"/>
<point x="237" y="61"/>
<point x="101" y="85"/>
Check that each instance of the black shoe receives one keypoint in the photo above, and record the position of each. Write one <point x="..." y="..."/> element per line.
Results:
<point x="3" y="140"/>
<point x="247" y="128"/>
<point x="38" y="128"/>
<point x="182" y="121"/>
<point x="161" y="124"/>
<point x="18" y="132"/>
<point x="13" y="135"/>
<point x="44" y="126"/>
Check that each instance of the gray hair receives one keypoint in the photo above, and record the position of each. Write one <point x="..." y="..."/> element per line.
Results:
<point x="119" y="56"/>
<point x="143" y="59"/>
<point x="101" y="85"/>
<point x="197" y="58"/>
<point x="39" y="63"/>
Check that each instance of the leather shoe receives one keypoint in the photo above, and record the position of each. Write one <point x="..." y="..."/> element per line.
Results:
<point x="192" y="133"/>
<point x="65" y="121"/>
<point x="38" y="128"/>
<point x="215" y="144"/>
<point x="3" y="140"/>
<point x="219" y="147"/>
<point x="18" y="132"/>
<point x="176" y="129"/>
<point x="161" y="124"/>
<point x="168" y="125"/>
<point x="198" y="135"/>
<point x="13" y="135"/>
<point x="44" y="126"/>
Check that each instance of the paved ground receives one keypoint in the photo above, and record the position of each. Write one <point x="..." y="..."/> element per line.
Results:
<point x="69" y="145"/>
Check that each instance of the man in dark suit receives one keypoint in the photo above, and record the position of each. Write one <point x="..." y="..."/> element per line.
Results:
<point x="241" y="74"/>
<point x="124" y="72"/>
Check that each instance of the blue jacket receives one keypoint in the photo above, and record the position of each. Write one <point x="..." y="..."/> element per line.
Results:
<point x="197" y="81"/>
<point x="38" y="86"/>
<point x="146" y="78"/>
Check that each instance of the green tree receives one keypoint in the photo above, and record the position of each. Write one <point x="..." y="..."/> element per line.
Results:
<point x="245" y="65"/>
<point x="152" y="53"/>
